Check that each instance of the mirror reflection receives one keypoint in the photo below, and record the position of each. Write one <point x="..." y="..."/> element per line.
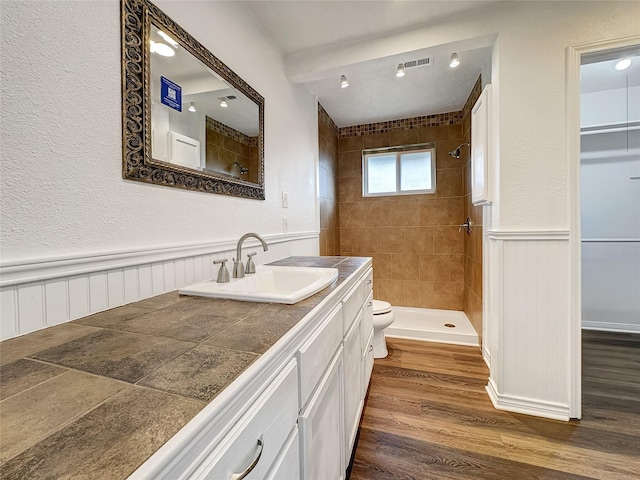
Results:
<point x="188" y="120"/>
<point x="199" y="120"/>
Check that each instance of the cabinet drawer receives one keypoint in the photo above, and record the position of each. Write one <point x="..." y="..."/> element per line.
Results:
<point x="315" y="354"/>
<point x="260" y="434"/>
<point x="367" y="321"/>
<point x="351" y="306"/>
<point x="367" y="363"/>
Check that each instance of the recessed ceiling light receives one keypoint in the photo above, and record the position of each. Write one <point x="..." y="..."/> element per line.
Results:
<point x="168" y="39"/>
<point x="623" y="64"/>
<point x="400" y="70"/>
<point x="344" y="83"/>
<point x="192" y="107"/>
<point x="162" y="49"/>
<point x="224" y="104"/>
<point x="455" y="60"/>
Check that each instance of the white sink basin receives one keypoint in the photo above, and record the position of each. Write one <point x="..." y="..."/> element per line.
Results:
<point x="269" y="284"/>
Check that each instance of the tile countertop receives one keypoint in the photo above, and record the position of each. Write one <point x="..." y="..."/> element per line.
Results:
<point x="94" y="398"/>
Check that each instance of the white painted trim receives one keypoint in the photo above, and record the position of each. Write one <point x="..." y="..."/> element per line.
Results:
<point x="486" y="299"/>
<point x="573" y="61"/>
<point x="611" y="240"/>
<point x="611" y="327"/>
<point x="504" y="234"/>
<point x="48" y="268"/>
<point x="527" y="406"/>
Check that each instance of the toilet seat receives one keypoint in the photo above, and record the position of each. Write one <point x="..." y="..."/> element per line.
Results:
<point x="381" y="307"/>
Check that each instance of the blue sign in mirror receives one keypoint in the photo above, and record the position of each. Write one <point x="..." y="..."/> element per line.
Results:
<point x="170" y="94"/>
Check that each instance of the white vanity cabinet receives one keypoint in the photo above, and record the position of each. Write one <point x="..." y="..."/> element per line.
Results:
<point x="292" y="414"/>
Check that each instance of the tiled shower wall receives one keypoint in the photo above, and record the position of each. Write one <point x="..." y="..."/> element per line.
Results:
<point x="418" y="253"/>
<point x="328" y="160"/>
<point x="472" y="242"/>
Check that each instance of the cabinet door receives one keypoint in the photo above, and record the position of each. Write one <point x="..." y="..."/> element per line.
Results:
<point x="367" y="321"/>
<point x="322" y="427"/>
<point x="287" y="465"/>
<point x="481" y="148"/>
<point x="353" y="398"/>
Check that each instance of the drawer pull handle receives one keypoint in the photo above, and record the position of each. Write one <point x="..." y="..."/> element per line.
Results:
<point x="370" y="304"/>
<point x="369" y="282"/>
<point x="247" y="471"/>
<point x="371" y="348"/>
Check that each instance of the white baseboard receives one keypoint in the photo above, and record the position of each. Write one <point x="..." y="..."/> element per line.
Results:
<point x="39" y="293"/>
<point x="611" y="327"/>
<point x="527" y="406"/>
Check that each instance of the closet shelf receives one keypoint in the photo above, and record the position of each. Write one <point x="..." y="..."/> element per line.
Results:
<point x="610" y="127"/>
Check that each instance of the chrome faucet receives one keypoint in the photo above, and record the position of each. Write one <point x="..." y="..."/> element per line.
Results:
<point x="238" y="268"/>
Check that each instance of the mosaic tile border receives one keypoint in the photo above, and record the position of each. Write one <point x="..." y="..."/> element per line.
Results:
<point x="324" y="117"/>
<point x="473" y="97"/>
<point x="437" y="120"/>
<point x="227" y="131"/>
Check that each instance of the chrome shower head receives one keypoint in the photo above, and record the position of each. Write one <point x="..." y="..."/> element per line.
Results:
<point x="455" y="153"/>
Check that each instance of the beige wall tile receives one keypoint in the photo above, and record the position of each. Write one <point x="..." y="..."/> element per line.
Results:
<point x="352" y="214"/>
<point x="390" y="240"/>
<point x="377" y="140"/>
<point x="382" y="265"/>
<point x="443" y="159"/>
<point x="365" y="241"/>
<point x="434" y="134"/>
<point x="391" y="291"/>
<point x="405" y="266"/>
<point x="418" y="239"/>
<point x="416" y="294"/>
<point x="447" y="296"/>
<point x="454" y="132"/>
<point x="449" y="182"/>
<point x="441" y="211"/>
<point x="349" y="189"/>
<point x="347" y="236"/>
<point x="434" y="267"/>
<point x="405" y="211"/>
<point x="377" y="214"/>
<point x="350" y="164"/>
<point x="473" y="309"/>
<point x="405" y="137"/>
<point x="456" y="268"/>
<point x="350" y="144"/>
<point x="448" y="240"/>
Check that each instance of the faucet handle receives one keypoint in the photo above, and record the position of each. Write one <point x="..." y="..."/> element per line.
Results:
<point x="251" y="267"/>
<point x="223" y="273"/>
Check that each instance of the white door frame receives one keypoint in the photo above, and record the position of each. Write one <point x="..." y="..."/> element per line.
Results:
<point x="574" y="54"/>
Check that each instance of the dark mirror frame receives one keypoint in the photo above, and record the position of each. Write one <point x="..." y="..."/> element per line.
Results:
<point x="137" y="162"/>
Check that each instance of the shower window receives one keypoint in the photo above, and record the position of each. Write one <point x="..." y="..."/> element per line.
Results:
<point x="405" y="170"/>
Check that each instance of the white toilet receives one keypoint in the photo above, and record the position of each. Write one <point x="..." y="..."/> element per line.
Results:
<point x="382" y="318"/>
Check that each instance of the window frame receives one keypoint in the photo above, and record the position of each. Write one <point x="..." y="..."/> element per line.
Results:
<point x="398" y="152"/>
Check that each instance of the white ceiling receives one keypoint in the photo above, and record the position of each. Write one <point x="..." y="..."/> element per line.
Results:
<point x="310" y="27"/>
<point x="375" y="93"/>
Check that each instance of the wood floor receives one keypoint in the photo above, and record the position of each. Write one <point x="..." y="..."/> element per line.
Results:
<point x="427" y="416"/>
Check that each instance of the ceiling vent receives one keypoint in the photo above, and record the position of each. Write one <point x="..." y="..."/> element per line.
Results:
<point x="230" y="97"/>
<point x="421" y="62"/>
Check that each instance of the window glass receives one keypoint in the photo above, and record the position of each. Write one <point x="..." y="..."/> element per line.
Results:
<point x="403" y="170"/>
<point x="382" y="174"/>
<point x="415" y="171"/>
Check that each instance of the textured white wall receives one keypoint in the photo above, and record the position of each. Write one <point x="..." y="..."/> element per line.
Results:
<point x="62" y="187"/>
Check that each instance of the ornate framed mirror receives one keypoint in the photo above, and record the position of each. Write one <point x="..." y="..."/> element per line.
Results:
<point x="188" y="120"/>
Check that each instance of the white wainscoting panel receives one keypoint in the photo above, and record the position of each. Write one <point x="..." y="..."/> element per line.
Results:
<point x="529" y="276"/>
<point x="40" y="293"/>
